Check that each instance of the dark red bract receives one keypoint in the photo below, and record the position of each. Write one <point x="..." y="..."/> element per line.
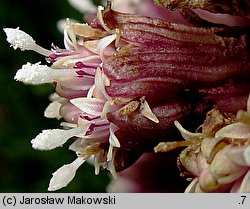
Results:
<point x="165" y="62"/>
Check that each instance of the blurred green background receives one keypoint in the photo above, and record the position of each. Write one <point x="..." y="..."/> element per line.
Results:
<point x="23" y="169"/>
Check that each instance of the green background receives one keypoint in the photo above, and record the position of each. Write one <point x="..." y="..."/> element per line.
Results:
<point x="23" y="169"/>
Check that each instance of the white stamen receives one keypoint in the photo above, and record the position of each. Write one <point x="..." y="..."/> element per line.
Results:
<point x="19" y="39"/>
<point x="64" y="175"/>
<point x="111" y="166"/>
<point x="106" y="109"/>
<point x="40" y="74"/>
<point x="104" y="43"/>
<point x="113" y="140"/>
<point x="106" y="80"/>
<point x="91" y="92"/>
<point x="96" y="163"/>
<point x="110" y="153"/>
<point x="70" y="36"/>
<point x="68" y="125"/>
<point x="53" y="138"/>
<point x="53" y="110"/>
<point x="147" y="112"/>
<point x="100" y="81"/>
<point x="61" y="24"/>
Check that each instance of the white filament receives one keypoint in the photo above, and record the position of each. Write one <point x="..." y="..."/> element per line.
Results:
<point x="104" y="43"/>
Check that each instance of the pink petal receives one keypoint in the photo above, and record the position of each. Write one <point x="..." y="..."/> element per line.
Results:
<point x="235" y="131"/>
<point x="90" y="106"/>
<point x="237" y="155"/>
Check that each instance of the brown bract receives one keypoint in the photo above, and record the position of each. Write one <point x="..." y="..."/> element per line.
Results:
<point x="234" y="7"/>
<point x="215" y="120"/>
<point x="87" y="32"/>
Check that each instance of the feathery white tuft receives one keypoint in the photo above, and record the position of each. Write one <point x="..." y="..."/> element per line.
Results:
<point x="34" y="74"/>
<point x="19" y="39"/>
<point x="64" y="175"/>
<point x="53" y="138"/>
<point x="40" y="74"/>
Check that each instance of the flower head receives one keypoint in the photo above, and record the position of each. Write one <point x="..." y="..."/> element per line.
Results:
<point x="219" y="158"/>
